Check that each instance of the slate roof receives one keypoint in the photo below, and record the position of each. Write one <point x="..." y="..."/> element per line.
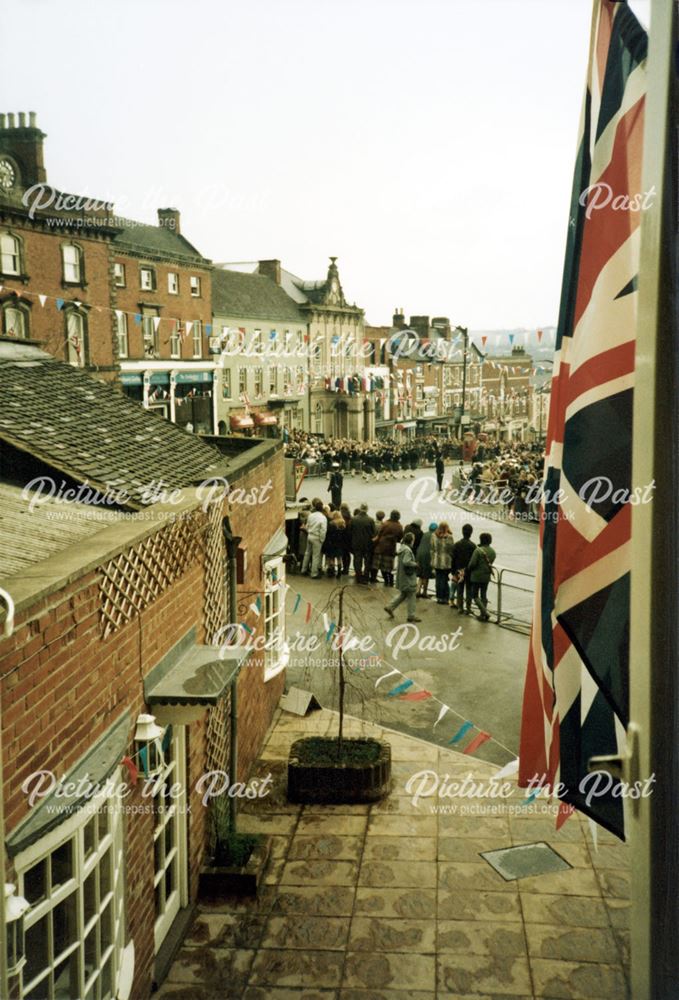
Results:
<point x="31" y="533"/>
<point x="157" y="241"/>
<point x="255" y="296"/>
<point x="91" y="432"/>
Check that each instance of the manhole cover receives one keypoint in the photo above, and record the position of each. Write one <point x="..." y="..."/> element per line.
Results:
<point x="525" y="860"/>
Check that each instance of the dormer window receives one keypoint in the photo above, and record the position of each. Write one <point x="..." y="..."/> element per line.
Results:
<point x="72" y="263"/>
<point x="147" y="279"/>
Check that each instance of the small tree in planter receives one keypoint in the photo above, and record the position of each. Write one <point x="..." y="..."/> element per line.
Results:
<point x="238" y="859"/>
<point x="337" y="769"/>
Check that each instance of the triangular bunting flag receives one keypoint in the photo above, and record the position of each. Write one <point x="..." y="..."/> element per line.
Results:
<point x="444" y="709"/>
<point x="565" y="812"/>
<point x="188" y="326"/>
<point x="462" y="732"/>
<point x="132" y="769"/>
<point x="415" y="696"/>
<point x="60" y="303"/>
<point x="156" y="323"/>
<point x="399" y="688"/>
<point x="390" y="673"/>
<point x="42" y="299"/>
<point x="476" y="742"/>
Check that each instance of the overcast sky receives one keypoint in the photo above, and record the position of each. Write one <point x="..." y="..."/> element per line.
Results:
<point x="428" y="144"/>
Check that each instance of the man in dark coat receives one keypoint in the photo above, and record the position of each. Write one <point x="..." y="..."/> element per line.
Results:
<point x="440" y="469"/>
<point x="462" y="553"/>
<point x="362" y="533"/>
<point x="335" y="483"/>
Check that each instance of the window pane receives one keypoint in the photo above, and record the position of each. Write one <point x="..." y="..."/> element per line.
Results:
<point x="64" y="926"/>
<point x="38" y="992"/>
<point x="106" y="981"/>
<point x="37" y="949"/>
<point x="62" y="864"/>
<point x="90" y="896"/>
<point x="35" y="882"/>
<point x="90" y="836"/>
<point x="105" y="875"/>
<point x="106" y="926"/>
<point x="91" y="963"/>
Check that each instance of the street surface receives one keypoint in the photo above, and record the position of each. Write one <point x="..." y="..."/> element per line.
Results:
<point x="475" y="668"/>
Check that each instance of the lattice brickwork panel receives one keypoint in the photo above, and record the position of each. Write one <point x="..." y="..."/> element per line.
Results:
<point x="135" y="578"/>
<point x="216" y="575"/>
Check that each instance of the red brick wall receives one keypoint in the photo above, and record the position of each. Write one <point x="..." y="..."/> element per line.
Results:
<point x="183" y="306"/>
<point x="63" y="686"/>
<point x="42" y="263"/>
<point x="256" y="524"/>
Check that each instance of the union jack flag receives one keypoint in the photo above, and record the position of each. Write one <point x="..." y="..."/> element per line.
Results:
<point x="576" y="698"/>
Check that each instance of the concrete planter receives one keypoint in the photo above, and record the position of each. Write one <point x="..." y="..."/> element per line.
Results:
<point x="217" y="881"/>
<point x="329" y="783"/>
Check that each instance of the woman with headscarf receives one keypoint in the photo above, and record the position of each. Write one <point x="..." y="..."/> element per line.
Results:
<point x="333" y="547"/>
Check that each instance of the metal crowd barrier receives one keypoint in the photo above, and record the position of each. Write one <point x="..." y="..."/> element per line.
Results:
<point x="518" y="619"/>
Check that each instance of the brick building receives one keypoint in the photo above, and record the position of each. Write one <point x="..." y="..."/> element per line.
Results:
<point x="115" y="606"/>
<point x="507" y="394"/>
<point x="162" y="297"/>
<point x="55" y="265"/>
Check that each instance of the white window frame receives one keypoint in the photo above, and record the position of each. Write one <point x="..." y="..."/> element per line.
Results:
<point x="197" y="331"/>
<point x="119" y="275"/>
<point x="242" y="381"/>
<point x="174" y="773"/>
<point x="172" y="283"/>
<point x="10" y="254"/>
<point x="175" y="341"/>
<point x="150" y="337"/>
<point x="20" y="330"/>
<point x="73" y="267"/>
<point x="258" y="386"/>
<point x="195" y="283"/>
<point x="88" y="860"/>
<point x="226" y="383"/>
<point x="121" y="333"/>
<point x="276" y="653"/>
<point x="147" y="279"/>
<point x="273" y="380"/>
<point x="257" y="344"/>
<point x="75" y="357"/>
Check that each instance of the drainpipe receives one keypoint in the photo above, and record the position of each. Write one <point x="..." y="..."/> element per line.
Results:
<point x="8" y="629"/>
<point x="232" y="542"/>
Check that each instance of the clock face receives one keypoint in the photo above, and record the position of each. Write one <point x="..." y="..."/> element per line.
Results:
<point x="7" y="175"/>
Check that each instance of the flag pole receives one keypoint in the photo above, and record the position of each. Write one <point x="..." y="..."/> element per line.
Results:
<point x="653" y="736"/>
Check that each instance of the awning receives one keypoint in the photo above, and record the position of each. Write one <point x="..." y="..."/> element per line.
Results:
<point x="405" y="426"/>
<point x="265" y="419"/>
<point x="131" y="378"/>
<point x="240" y="423"/>
<point x="193" y="377"/>
<point x="160" y="378"/>
<point x="87" y="777"/>
<point x="199" y="676"/>
<point x="276" y="547"/>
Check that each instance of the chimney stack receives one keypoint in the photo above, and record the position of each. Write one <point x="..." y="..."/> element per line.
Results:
<point x="168" y="218"/>
<point x="398" y="320"/>
<point x="32" y="120"/>
<point x="22" y="119"/>
<point x="271" y="269"/>
<point x="10" y="120"/>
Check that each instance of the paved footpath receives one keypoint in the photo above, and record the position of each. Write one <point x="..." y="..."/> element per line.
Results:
<point x="479" y="668"/>
<point x="394" y="901"/>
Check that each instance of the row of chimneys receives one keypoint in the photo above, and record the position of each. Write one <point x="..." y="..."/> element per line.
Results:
<point x="10" y="119"/>
<point x="421" y="324"/>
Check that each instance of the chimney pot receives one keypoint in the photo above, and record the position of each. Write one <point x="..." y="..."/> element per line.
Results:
<point x="10" y="120"/>
<point x="2" y="121"/>
<point x="22" y="119"/>
<point x="32" y="119"/>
